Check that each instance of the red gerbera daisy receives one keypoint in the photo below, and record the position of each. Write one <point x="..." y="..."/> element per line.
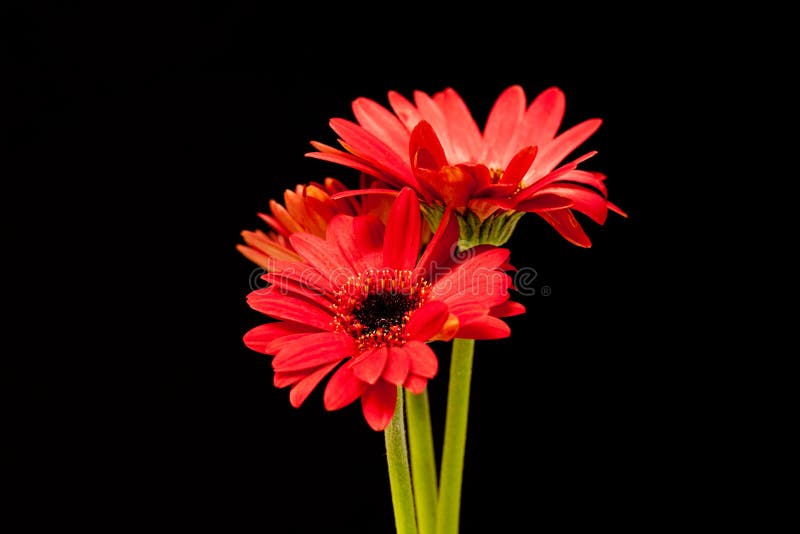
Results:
<point x="435" y="147"/>
<point x="309" y="208"/>
<point x="361" y="300"/>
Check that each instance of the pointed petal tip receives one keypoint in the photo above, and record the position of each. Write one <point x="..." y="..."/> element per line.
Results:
<point x="616" y="209"/>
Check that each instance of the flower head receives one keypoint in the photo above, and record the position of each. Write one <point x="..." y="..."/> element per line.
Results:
<point x="309" y="208"/>
<point x="362" y="303"/>
<point x="515" y="165"/>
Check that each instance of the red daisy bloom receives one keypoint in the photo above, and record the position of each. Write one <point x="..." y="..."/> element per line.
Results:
<point x="309" y="208"/>
<point x="361" y="300"/>
<point x="435" y="147"/>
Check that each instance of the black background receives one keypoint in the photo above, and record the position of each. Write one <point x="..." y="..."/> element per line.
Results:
<point x="151" y="139"/>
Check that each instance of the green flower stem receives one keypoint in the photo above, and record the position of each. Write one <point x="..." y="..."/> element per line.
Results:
<point x="399" y="476"/>
<point x="455" y="437"/>
<point x="423" y="461"/>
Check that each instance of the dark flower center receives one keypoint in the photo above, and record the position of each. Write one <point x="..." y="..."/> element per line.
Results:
<point x="384" y="309"/>
<point x="375" y="306"/>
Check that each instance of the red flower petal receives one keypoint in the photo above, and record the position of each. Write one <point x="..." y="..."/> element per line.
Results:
<point x="486" y="328"/>
<point x="282" y="216"/>
<point x="425" y="149"/>
<point x="544" y="202"/>
<point x="370" y="147"/>
<point x="585" y="201"/>
<point x="268" y="246"/>
<point x="453" y="185"/>
<point x="289" y="309"/>
<point x="372" y="192"/>
<point x="281" y="380"/>
<point x="566" y="225"/>
<point x="617" y="210"/>
<point x="369" y="365"/>
<point x="346" y="206"/>
<point x="541" y="121"/>
<point x="594" y="179"/>
<point x="467" y="142"/>
<point x="378" y="404"/>
<point x="302" y="389"/>
<point x="296" y="206"/>
<point x="257" y="257"/>
<point x="360" y="240"/>
<point x="431" y="113"/>
<point x="467" y="311"/>
<point x="273" y="223"/>
<point x="554" y="152"/>
<point x="342" y="389"/>
<point x="312" y="350"/>
<point x="260" y="337"/>
<point x="397" y="366"/>
<point x="381" y="123"/>
<point x="505" y="116"/>
<point x="507" y="309"/>
<point x="302" y="273"/>
<point x="285" y="285"/>
<point x="324" y="256"/>
<point x="427" y="320"/>
<point x="333" y="155"/>
<point x="401" y="241"/>
<point x="437" y="257"/>
<point x="519" y="166"/>
<point x="404" y="110"/>
<point x="423" y="361"/>
<point x="533" y="182"/>
<point x="416" y="384"/>
<point x="477" y="278"/>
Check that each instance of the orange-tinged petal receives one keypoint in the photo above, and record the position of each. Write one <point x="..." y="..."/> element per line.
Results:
<point x="283" y="217"/>
<point x="269" y="247"/>
<point x="257" y="257"/>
